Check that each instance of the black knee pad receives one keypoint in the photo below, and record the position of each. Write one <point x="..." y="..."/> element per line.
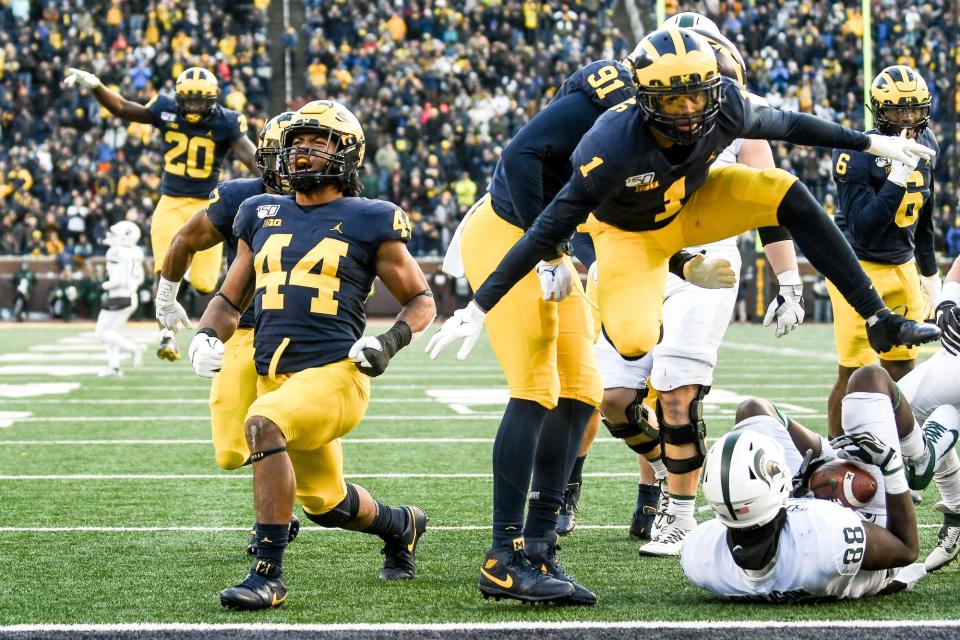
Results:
<point x="637" y="425"/>
<point x="693" y="432"/>
<point x="341" y="514"/>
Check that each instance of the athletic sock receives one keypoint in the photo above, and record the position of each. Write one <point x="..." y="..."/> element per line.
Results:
<point x="941" y="429"/>
<point x="388" y="522"/>
<point x="682" y="507"/>
<point x="271" y="542"/>
<point x="912" y="445"/>
<point x="947" y="479"/>
<point x="576" y="476"/>
<point x="659" y="469"/>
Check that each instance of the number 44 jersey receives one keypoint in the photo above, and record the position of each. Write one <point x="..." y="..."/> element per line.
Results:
<point x="314" y="268"/>
<point x="819" y="555"/>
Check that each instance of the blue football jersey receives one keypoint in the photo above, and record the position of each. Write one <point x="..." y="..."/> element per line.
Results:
<point x="314" y="269"/>
<point x="193" y="153"/>
<point x="222" y="208"/>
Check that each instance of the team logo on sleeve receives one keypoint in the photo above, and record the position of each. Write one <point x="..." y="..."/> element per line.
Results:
<point x="642" y="182"/>
<point x="267" y="210"/>
<point x="166" y="116"/>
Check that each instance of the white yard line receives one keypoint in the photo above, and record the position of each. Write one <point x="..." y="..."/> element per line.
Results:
<point x="187" y="441"/>
<point x="303" y="528"/>
<point x="247" y="476"/>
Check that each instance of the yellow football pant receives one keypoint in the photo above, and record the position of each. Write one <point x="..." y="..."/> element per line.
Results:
<point x="544" y="348"/>
<point x="899" y="286"/>
<point x="171" y="214"/>
<point x="314" y="408"/>
<point x="632" y="266"/>
<point x="233" y="390"/>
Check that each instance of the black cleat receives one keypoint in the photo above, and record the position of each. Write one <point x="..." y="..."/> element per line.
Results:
<point x="262" y="589"/>
<point x="294" y="530"/>
<point x="641" y="526"/>
<point x="543" y="555"/>
<point x="567" y="519"/>
<point x="400" y="555"/>
<point x="508" y="574"/>
<point x="892" y="329"/>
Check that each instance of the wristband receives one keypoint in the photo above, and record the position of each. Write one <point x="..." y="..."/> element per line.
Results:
<point x="167" y="290"/>
<point x="397" y="337"/>
<point x="207" y="331"/>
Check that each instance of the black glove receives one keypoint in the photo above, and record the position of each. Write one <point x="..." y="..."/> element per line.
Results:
<point x="948" y="319"/>
<point x="372" y="355"/>
<point x="801" y="481"/>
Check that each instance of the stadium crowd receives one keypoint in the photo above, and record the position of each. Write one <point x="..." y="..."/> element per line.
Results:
<point x="440" y="86"/>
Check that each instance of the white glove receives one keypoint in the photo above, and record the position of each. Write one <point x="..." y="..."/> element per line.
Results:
<point x="81" y="77"/>
<point x="556" y="279"/>
<point x="206" y="354"/>
<point x="898" y="148"/>
<point x="900" y="172"/>
<point x="170" y="313"/>
<point x="592" y="272"/>
<point x="357" y="354"/>
<point x="709" y="273"/>
<point x="787" y="307"/>
<point x="466" y="323"/>
<point x="867" y="448"/>
<point x="930" y="286"/>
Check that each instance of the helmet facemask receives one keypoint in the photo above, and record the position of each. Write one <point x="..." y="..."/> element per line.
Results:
<point x="307" y="168"/>
<point x="681" y="128"/>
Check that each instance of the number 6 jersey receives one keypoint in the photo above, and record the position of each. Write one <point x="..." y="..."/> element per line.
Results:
<point x="819" y="556"/>
<point x="314" y="268"/>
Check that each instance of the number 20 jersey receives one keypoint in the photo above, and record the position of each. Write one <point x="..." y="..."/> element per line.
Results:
<point x="193" y="153"/>
<point x="314" y="268"/>
<point x="819" y="556"/>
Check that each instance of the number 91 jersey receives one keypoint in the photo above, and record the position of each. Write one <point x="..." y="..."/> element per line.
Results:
<point x="193" y="153"/>
<point x="314" y="268"/>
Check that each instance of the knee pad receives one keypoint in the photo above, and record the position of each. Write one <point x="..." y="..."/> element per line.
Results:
<point x="341" y="514"/>
<point x="637" y="433"/>
<point x="693" y="432"/>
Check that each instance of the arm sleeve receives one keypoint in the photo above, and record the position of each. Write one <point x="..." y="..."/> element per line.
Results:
<point x="767" y="123"/>
<point x="924" y="252"/>
<point x="868" y="212"/>
<point x="583" y="248"/>
<point x="554" y="132"/>
<point x="769" y="235"/>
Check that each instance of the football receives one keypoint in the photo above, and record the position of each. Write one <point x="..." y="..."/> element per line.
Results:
<point x="845" y="482"/>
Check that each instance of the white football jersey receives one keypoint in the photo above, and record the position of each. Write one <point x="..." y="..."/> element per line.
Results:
<point x="124" y="271"/>
<point x="821" y="549"/>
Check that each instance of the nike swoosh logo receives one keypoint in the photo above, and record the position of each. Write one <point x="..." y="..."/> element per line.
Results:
<point x="414" y="518"/>
<point x="277" y="600"/>
<point x="506" y="584"/>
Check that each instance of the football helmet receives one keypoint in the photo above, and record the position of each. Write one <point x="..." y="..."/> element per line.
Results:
<point x="900" y="89"/>
<point x="746" y="479"/>
<point x="691" y="20"/>
<point x="729" y="60"/>
<point x="345" y="146"/>
<point x="268" y="152"/>
<point x="123" y="234"/>
<point x="196" y="93"/>
<point x="672" y="64"/>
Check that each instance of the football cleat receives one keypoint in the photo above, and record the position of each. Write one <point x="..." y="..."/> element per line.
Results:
<point x="508" y="574"/>
<point x="948" y="541"/>
<point x="168" y="349"/>
<point x="294" y="530"/>
<point x="648" y="498"/>
<point x="567" y="519"/>
<point x="892" y="329"/>
<point x="542" y="555"/>
<point x="668" y="541"/>
<point x="110" y="372"/>
<point x="919" y="470"/>
<point x="400" y="555"/>
<point x="262" y="589"/>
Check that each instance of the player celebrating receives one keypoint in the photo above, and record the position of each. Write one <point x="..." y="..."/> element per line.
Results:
<point x="196" y="135"/>
<point x="124" y="276"/>
<point x="886" y="214"/>
<point x="308" y="263"/>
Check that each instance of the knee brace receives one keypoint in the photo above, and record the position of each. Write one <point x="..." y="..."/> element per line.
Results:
<point x="341" y="514"/>
<point x="694" y="432"/>
<point x="637" y="433"/>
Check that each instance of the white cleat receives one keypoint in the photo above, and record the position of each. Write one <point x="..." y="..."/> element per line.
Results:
<point x="671" y="533"/>
<point x="110" y="372"/>
<point x="662" y="516"/>
<point x="948" y="540"/>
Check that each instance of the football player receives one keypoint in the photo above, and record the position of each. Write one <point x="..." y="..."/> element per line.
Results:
<point x="682" y="368"/>
<point x="547" y="356"/>
<point x="196" y="135"/>
<point x="642" y="174"/>
<point x="308" y="262"/>
<point x="764" y="546"/>
<point x="124" y="275"/>
<point x="886" y="214"/>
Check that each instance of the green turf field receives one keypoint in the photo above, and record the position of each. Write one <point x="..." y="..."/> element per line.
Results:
<point x="113" y="510"/>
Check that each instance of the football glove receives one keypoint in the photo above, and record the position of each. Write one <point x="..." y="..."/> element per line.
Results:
<point x="887" y="329"/>
<point x="948" y="319"/>
<point x="903" y="150"/>
<point x="900" y="172"/>
<point x="787" y="307"/>
<point x="372" y="354"/>
<point x="206" y="353"/>
<point x="170" y="313"/>
<point x="465" y="324"/>
<point x="801" y="481"/>
<point x="81" y="77"/>
<point x="556" y="279"/>
<point x="930" y="286"/>
<point x="709" y="273"/>
<point x="868" y="448"/>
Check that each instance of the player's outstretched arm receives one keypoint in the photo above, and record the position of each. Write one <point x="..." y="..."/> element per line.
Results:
<point x="113" y="101"/>
<point x="198" y="234"/>
<point x="404" y="279"/>
<point x="246" y="153"/>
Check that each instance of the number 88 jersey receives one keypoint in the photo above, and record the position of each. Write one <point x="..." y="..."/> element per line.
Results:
<point x="193" y="153"/>
<point x="314" y="268"/>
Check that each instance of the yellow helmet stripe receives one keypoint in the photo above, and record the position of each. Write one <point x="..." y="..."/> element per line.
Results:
<point x="650" y="49"/>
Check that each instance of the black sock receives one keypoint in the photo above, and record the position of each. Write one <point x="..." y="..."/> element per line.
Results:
<point x="556" y="452"/>
<point x="271" y="542"/>
<point x="576" y="476"/>
<point x="389" y="522"/>
<point x="513" y="453"/>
